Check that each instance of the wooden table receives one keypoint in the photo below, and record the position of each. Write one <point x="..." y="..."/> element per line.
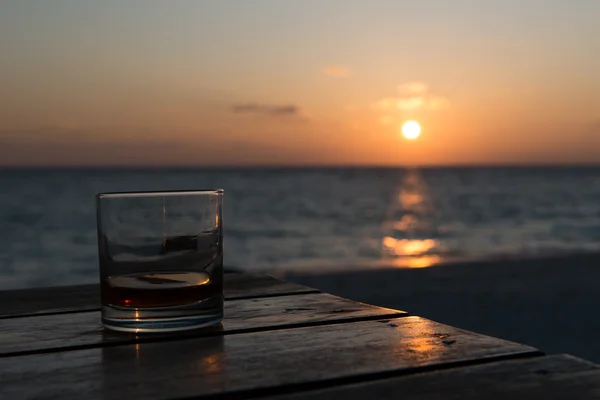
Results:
<point x="278" y="340"/>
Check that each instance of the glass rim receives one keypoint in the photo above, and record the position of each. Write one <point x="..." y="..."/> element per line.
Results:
<point x="159" y="193"/>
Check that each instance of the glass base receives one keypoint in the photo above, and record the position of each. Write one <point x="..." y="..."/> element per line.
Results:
<point x="202" y="314"/>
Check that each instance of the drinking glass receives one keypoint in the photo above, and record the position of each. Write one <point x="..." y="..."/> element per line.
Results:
<point x="161" y="259"/>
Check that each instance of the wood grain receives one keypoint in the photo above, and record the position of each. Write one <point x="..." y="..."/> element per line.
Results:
<point x="80" y="330"/>
<point x="61" y="299"/>
<point x="249" y="364"/>
<point x="551" y="377"/>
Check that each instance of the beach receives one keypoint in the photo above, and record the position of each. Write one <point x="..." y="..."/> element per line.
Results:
<point x="548" y="303"/>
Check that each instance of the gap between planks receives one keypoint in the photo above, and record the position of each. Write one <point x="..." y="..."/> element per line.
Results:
<point x="364" y="378"/>
<point x="83" y="298"/>
<point x="209" y="332"/>
<point x="82" y="310"/>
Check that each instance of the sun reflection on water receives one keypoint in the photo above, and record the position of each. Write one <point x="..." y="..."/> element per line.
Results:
<point x="407" y="247"/>
<point x="410" y="238"/>
<point x="411" y="253"/>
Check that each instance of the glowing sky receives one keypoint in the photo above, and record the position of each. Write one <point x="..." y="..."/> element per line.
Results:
<point x="299" y="82"/>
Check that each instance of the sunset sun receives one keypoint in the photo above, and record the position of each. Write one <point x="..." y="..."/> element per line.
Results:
<point x="411" y="130"/>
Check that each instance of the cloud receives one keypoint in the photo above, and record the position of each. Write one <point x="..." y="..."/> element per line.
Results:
<point x="412" y="96"/>
<point x="269" y="110"/>
<point x="413" y="88"/>
<point x="337" y="71"/>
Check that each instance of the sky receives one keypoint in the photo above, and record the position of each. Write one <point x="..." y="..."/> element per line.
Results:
<point x="303" y="82"/>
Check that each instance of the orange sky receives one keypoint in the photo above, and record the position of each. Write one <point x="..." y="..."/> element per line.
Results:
<point x="282" y="82"/>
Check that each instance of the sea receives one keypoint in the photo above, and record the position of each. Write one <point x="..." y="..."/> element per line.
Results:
<point x="313" y="220"/>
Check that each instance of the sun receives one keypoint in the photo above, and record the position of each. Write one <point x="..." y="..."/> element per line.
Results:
<point x="411" y="130"/>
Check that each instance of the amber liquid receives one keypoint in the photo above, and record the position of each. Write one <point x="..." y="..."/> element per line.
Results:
<point x="159" y="289"/>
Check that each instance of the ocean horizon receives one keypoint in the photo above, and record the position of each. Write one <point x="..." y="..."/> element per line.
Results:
<point x="309" y="219"/>
<point x="228" y="167"/>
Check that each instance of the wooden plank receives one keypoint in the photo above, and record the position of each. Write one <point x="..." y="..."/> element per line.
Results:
<point x="50" y="299"/>
<point x="249" y="364"/>
<point x="60" y="299"/>
<point x="551" y="377"/>
<point x="245" y="286"/>
<point x="62" y="331"/>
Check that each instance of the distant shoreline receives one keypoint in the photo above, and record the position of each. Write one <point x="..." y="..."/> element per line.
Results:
<point x="452" y="264"/>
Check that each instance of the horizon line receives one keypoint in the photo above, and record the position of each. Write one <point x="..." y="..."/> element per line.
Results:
<point x="295" y="166"/>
